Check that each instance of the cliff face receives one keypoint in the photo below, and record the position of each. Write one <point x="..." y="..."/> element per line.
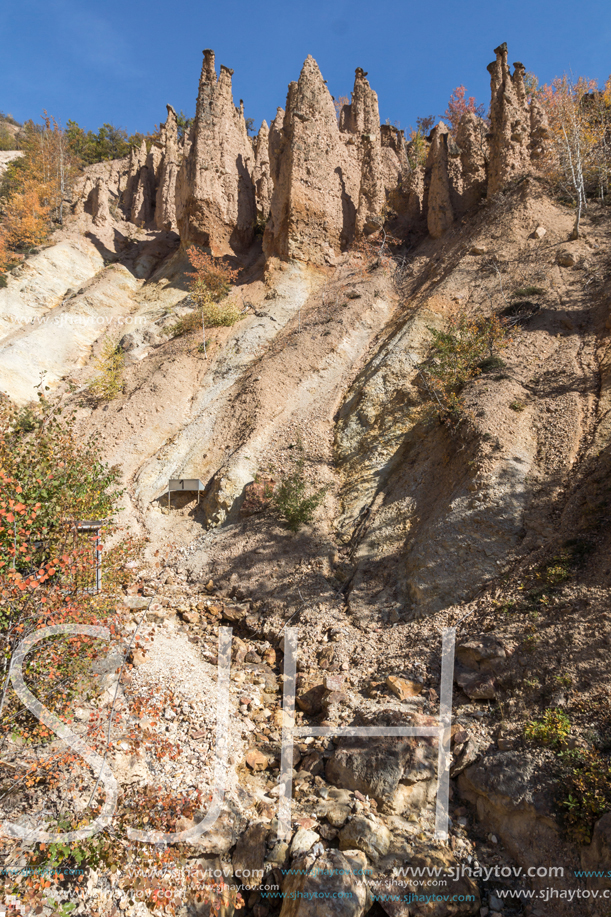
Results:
<point x="319" y="182"/>
<point x="215" y="195"/>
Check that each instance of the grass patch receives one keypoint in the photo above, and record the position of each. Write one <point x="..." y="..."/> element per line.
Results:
<point x="517" y="406"/>
<point x="208" y="315"/>
<point x="558" y="570"/>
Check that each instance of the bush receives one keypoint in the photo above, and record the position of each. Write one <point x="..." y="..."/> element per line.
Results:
<point x="107" y="384"/>
<point x="457" y="355"/>
<point x="7" y="140"/>
<point x="586" y="792"/>
<point x="209" y="315"/>
<point x="63" y="475"/>
<point x="290" y="497"/>
<point x="551" y="731"/>
<point x="491" y="365"/>
<point x="210" y="284"/>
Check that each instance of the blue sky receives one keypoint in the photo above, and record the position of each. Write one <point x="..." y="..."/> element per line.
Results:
<point x="122" y="61"/>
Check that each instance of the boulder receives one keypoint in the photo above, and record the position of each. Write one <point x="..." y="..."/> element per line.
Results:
<point x="372" y="837"/>
<point x="401" y="896"/>
<point x="403" y="687"/>
<point x="566" y="258"/>
<point x="514" y="797"/>
<point x="249" y="855"/>
<point x="486" y="654"/>
<point x="399" y="773"/>
<point x="328" y="883"/>
<point x="597" y="856"/>
<point x="303" y="841"/>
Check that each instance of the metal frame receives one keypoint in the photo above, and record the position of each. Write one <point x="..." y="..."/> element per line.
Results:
<point x="94" y="525"/>
<point x="184" y="484"/>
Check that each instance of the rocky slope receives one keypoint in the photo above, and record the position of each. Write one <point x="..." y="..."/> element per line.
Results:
<point x="422" y="527"/>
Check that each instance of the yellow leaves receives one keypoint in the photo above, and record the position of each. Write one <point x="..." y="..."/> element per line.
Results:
<point x="26" y="221"/>
<point x="579" y="119"/>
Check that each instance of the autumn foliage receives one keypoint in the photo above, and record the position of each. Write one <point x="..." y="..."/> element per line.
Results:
<point x="209" y="288"/>
<point x="458" y="105"/>
<point x="36" y="187"/>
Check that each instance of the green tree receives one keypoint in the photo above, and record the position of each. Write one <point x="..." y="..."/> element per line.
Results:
<point x="183" y="124"/>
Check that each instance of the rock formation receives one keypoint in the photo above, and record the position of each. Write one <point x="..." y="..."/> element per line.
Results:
<point x="471" y="140"/>
<point x="328" y="178"/>
<point x="509" y="123"/>
<point x="100" y="209"/>
<point x="539" y="131"/>
<point x="165" y="208"/>
<point x="318" y="182"/>
<point x="137" y="159"/>
<point x="362" y="117"/>
<point x="440" y="213"/>
<point x="395" y="164"/>
<point x="144" y="197"/>
<point x="261" y="172"/>
<point x="215" y="195"/>
<point x="311" y="215"/>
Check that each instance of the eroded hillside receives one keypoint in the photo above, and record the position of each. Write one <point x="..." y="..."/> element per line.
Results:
<point x="496" y="525"/>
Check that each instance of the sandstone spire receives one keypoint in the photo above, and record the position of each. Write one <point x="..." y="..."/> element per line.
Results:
<point x="509" y="122"/>
<point x="440" y="214"/>
<point x="165" y="210"/>
<point x="215" y="196"/>
<point x="143" y="199"/>
<point x="137" y="159"/>
<point x="362" y="117"/>
<point x="470" y="138"/>
<point x="539" y="131"/>
<point x="308" y="219"/>
<point x="99" y="203"/>
<point x="261" y="171"/>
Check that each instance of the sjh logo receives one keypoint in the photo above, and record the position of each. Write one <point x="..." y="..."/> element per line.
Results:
<point x="442" y="731"/>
